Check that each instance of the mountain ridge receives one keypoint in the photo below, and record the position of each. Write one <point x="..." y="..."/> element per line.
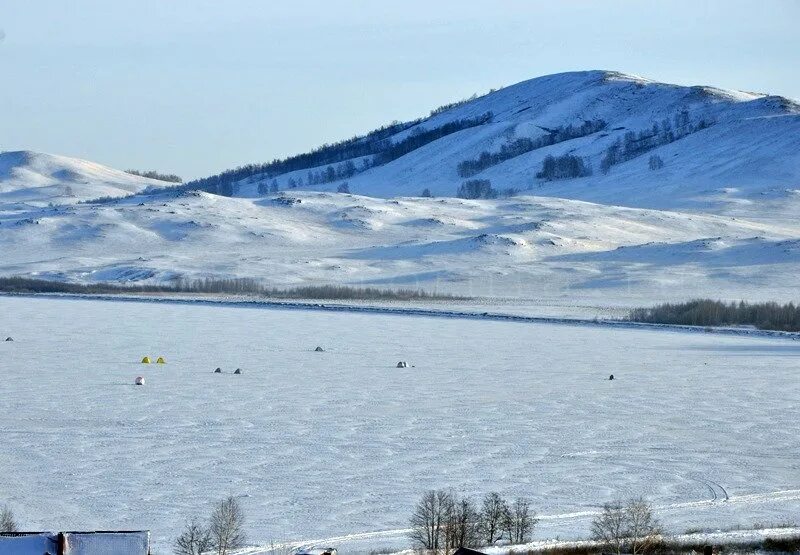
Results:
<point x="531" y="109"/>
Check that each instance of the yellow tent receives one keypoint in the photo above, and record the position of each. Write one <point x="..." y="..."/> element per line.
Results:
<point x="146" y="360"/>
<point x="160" y="360"/>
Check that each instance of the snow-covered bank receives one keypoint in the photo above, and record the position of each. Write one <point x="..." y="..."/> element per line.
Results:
<point x="449" y="310"/>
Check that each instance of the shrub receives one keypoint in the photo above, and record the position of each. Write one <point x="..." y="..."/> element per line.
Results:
<point x="7" y="521"/>
<point x="655" y="162"/>
<point x="476" y="188"/>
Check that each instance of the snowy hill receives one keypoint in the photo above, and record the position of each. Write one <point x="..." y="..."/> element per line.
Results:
<point x="691" y="191"/>
<point x="33" y="177"/>
<point x="527" y="247"/>
<point x="721" y="150"/>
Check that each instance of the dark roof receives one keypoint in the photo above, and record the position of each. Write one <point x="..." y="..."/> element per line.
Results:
<point x="467" y="551"/>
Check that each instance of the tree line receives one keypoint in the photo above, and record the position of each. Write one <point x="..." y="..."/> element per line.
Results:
<point x="635" y="144"/>
<point x="153" y="174"/>
<point x="376" y="148"/>
<point x="420" y="136"/>
<point x="517" y="147"/>
<point x="236" y="286"/>
<point x="355" y="147"/>
<point x="707" y="312"/>
<point x="442" y="519"/>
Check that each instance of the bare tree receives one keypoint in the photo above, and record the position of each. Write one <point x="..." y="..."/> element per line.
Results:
<point x="609" y="527"/>
<point x="226" y="526"/>
<point x="493" y="513"/>
<point x="462" y="524"/>
<point x="428" y="521"/>
<point x="644" y="530"/>
<point x="520" y="521"/>
<point x="7" y="521"/>
<point x="194" y="540"/>
<point x="626" y="527"/>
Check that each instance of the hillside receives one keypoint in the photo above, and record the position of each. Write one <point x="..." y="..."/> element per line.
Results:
<point x="716" y="217"/>
<point x="528" y="247"/>
<point x="38" y="178"/>
<point x="720" y="149"/>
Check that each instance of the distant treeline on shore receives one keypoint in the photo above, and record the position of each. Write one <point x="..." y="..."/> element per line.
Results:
<point x="707" y="312"/>
<point x="231" y="286"/>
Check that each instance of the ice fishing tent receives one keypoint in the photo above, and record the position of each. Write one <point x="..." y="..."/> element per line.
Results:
<point x="146" y="360"/>
<point x="76" y="543"/>
<point x="319" y="349"/>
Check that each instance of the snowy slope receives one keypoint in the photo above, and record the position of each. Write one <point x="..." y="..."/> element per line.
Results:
<point x="751" y="150"/>
<point x="526" y="247"/>
<point x="38" y="178"/>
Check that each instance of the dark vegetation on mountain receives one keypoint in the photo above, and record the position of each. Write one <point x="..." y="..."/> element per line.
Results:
<point x="637" y="143"/>
<point x="375" y="149"/>
<point x="153" y="174"/>
<point x="517" y="147"/>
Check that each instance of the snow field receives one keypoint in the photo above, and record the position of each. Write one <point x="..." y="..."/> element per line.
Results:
<point x="322" y="445"/>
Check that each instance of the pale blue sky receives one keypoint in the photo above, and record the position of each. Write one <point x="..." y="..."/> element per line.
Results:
<point x="194" y="87"/>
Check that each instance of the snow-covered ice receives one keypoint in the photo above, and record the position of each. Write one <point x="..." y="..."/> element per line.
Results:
<point x="323" y="445"/>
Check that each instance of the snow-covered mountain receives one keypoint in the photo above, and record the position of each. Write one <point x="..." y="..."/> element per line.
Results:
<point x="34" y="177"/>
<point x="721" y="150"/>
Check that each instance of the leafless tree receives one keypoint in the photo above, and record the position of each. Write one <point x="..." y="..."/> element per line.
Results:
<point x="493" y="513"/>
<point x="609" y="527"/>
<point x="462" y="524"/>
<point x="194" y="540"/>
<point x="226" y="526"/>
<point x="643" y="528"/>
<point x="428" y="522"/>
<point x="7" y="521"/>
<point x="520" y="521"/>
<point x="628" y="526"/>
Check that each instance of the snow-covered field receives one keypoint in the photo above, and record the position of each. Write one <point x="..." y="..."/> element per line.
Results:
<point x="320" y="445"/>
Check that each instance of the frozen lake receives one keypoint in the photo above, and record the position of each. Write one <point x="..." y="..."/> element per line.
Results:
<point x="327" y="444"/>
